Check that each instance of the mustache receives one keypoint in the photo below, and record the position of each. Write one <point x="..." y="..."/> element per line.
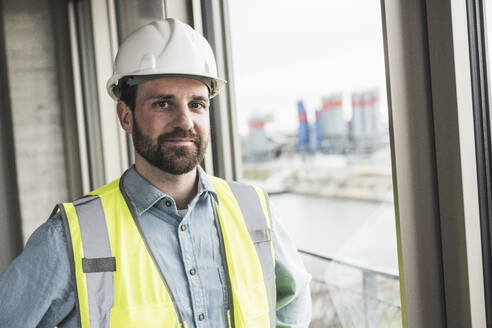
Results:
<point x="179" y="133"/>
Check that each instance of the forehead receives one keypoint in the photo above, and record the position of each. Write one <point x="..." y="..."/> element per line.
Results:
<point x="178" y="86"/>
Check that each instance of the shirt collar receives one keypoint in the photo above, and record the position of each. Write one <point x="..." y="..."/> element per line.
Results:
<point x="204" y="184"/>
<point x="143" y="195"/>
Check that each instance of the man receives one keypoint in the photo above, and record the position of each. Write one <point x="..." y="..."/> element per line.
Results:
<point x="165" y="245"/>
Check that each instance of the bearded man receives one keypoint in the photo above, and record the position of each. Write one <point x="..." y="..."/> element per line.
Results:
<point x="166" y="245"/>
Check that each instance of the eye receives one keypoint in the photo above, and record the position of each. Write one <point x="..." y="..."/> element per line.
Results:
<point x="197" y="105"/>
<point x="161" y="104"/>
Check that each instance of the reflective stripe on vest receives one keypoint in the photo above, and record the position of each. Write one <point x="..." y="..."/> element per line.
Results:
<point x="110" y="256"/>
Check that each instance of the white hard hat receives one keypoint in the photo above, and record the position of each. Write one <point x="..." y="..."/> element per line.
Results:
<point x="165" y="48"/>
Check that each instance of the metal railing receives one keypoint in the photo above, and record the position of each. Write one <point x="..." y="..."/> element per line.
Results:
<point x="370" y="300"/>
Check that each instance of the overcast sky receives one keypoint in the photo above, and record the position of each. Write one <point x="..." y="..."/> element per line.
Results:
<point x="285" y="50"/>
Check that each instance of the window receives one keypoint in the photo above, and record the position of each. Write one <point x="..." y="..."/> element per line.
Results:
<point x="312" y="117"/>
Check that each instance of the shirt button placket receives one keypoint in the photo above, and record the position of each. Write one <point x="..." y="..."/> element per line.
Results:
<point x="197" y="297"/>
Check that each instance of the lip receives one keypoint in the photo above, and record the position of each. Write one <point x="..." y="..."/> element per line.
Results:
<point x="179" y="141"/>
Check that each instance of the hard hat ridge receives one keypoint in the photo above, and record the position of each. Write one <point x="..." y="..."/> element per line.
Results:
<point x="148" y="62"/>
<point x="165" y="48"/>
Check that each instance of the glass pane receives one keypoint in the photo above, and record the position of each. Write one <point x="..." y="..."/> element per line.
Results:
<point x="312" y="116"/>
<point x="131" y="14"/>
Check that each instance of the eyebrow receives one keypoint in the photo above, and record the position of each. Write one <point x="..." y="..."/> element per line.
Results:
<point x="201" y="98"/>
<point x="169" y="97"/>
<point x="164" y="97"/>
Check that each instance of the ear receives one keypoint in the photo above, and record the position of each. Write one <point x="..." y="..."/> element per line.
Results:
<point x="125" y="116"/>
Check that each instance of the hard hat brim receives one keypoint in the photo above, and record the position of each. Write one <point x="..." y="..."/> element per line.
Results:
<point x="213" y="84"/>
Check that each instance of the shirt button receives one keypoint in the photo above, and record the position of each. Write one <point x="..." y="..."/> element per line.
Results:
<point x="183" y="227"/>
<point x="201" y="317"/>
<point x="168" y="203"/>
<point x="192" y="272"/>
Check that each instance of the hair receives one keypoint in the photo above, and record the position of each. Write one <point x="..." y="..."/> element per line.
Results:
<point x="127" y="93"/>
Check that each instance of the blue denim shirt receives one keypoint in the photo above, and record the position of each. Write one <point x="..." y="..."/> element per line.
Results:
<point x="37" y="290"/>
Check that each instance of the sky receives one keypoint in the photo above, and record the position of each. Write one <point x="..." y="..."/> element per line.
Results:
<point x="285" y="50"/>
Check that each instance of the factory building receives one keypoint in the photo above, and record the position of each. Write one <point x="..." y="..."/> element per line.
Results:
<point x="366" y="132"/>
<point x="257" y="147"/>
<point x="333" y="126"/>
<point x="304" y="145"/>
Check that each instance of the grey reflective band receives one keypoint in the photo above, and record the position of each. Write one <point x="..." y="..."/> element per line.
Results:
<point x="259" y="236"/>
<point x="103" y="264"/>
<point x="256" y="222"/>
<point x="96" y="245"/>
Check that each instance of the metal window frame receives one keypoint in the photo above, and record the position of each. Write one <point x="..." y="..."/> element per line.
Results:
<point x="481" y="108"/>
<point x="87" y="104"/>
<point x="431" y="129"/>
<point x="60" y="15"/>
<point x="105" y="47"/>
<point x="79" y="102"/>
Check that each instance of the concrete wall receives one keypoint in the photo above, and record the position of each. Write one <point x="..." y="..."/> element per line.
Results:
<point x="36" y="110"/>
<point x="10" y="225"/>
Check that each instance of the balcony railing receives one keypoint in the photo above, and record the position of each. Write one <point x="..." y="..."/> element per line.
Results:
<point x="345" y="294"/>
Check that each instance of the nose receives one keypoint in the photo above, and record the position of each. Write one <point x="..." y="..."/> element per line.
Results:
<point x="183" y="118"/>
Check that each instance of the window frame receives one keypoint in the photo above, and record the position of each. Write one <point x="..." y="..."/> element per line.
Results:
<point x="481" y="109"/>
<point x="428" y="68"/>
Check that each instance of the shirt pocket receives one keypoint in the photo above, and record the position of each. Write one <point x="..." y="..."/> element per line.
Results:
<point x="252" y="310"/>
<point x="253" y="313"/>
<point x="148" y="316"/>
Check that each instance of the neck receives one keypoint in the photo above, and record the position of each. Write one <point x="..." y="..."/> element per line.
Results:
<point x="182" y="188"/>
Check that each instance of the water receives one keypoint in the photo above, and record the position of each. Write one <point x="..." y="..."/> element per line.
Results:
<point x="358" y="232"/>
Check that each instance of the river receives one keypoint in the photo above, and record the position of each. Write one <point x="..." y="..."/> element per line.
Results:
<point x="357" y="232"/>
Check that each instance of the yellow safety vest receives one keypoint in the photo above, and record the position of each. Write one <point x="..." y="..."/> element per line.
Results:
<point x="118" y="283"/>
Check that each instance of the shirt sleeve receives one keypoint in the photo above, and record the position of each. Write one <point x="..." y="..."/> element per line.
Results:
<point x="36" y="289"/>
<point x="292" y="280"/>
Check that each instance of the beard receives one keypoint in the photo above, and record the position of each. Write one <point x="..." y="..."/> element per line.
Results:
<point x="175" y="160"/>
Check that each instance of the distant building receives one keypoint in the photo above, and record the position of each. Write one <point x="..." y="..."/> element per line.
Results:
<point x="334" y="131"/>
<point x="332" y="134"/>
<point x="303" y="134"/>
<point x="366" y="131"/>
<point x="332" y="121"/>
<point x="257" y="145"/>
<point x="318" y="133"/>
